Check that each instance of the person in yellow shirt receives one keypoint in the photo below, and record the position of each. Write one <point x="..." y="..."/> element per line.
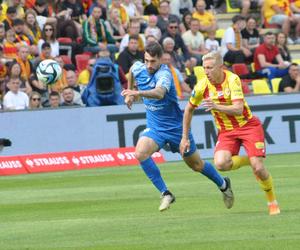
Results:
<point x="84" y="76"/>
<point x="220" y="92"/>
<point x="207" y="20"/>
<point x="279" y="12"/>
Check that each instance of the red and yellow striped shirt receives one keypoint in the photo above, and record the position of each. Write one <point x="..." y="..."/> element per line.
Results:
<point x="226" y="93"/>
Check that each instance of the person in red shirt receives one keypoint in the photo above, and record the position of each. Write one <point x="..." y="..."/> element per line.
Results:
<point x="267" y="59"/>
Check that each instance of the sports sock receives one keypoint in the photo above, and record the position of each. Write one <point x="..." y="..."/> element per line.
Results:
<point x="268" y="187"/>
<point x="153" y="173"/>
<point x="239" y="161"/>
<point x="211" y="173"/>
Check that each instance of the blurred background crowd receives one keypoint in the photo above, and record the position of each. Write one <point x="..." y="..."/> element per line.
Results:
<point x="77" y="34"/>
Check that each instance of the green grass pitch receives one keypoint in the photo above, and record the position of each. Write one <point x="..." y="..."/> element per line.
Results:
<point x="117" y="208"/>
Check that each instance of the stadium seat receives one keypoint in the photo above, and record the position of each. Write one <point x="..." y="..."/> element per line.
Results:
<point x="64" y="40"/>
<point x="275" y="84"/>
<point x="296" y="61"/>
<point x="220" y="33"/>
<point x="241" y="69"/>
<point x="232" y="6"/>
<point x="66" y="59"/>
<point x="261" y="86"/>
<point x="81" y="61"/>
<point x="246" y="89"/>
<point x="199" y="72"/>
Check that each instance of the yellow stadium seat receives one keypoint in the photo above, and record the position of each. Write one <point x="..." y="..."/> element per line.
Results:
<point x="261" y="86"/>
<point x="232" y="6"/>
<point x="220" y="33"/>
<point x="199" y="72"/>
<point x="296" y="61"/>
<point x="275" y="84"/>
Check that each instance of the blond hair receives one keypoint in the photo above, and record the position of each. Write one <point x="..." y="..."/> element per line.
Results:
<point x="214" y="55"/>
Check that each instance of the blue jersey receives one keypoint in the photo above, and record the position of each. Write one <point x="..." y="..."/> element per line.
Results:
<point x="164" y="114"/>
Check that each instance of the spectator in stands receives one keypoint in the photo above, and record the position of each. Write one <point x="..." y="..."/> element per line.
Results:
<point x="100" y="3"/>
<point x="194" y="41"/>
<point x="207" y="20"/>
<point x="72" y="83"/>
<point x="21" y="37"/>
<point x="68" y="97"/>
<point x="131" y="10"/>
<point x="291" y="82"/>
<point x="32" y="27"/>
<point x="49" y="35"/>
<point x="165" y="16"/>
<point x="134" y="29"/>
<point x="84" y="76"/>
<point x="11" y="14"/>
<point x="182" y="88"/>
<point x="151" y="7"/>
<point x="247" y="5"/>
<point x="150" y="39"/>
<point x="23" y="60"/>
<point x="10" y="45"/>
<point x="122" y="13"/>
<point x="211" y="43"/>
<point x="54" y="99"/>
<point x="250" y="34"/>
<point x="172" y="31"/>
<point x="279" y="13"/>
<point x="45" y="54"/>
<point x="114" y="25"/>
<point x="186" y="22"/>
<point x="2" y="33"/>
<point x="152" y="28"/>
<point x="76" y="12"/>
<point x="281" y="43"/>
<point x="15" y="99"/>
<point x="95" y="34"/>
<point x="35" y="101"/>
<point x="61" y="83"/>
<point x="18" y="4"/>
<point x="168" y="45"/>
<point x="264" y="57"/>
<point x="130" y="54"/>
<point x="180" y="7"/>
<point x="14" y="72"/>
<point x="233" y="50"/>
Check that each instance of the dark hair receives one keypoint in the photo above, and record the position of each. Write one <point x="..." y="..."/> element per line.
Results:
<point x="154" y="49"/>
<point x="54" y="93"/>
<point x="46" y="45"/>
<point x="18" y="21"/>
<point x="135" y="37"/>
<point x="293" y="64"/>
<point x="40" y="2"/>
<point x="269" y="33"/>
<point x="11" y="10"/>
<point x="237" y="18"/>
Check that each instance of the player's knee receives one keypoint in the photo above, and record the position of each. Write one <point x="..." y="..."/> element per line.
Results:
<point x="141" y="156"/>
<point x="259" y="170"/>
<point x="222" y="164"/>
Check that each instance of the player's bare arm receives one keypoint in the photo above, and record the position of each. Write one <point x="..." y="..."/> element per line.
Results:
<point x="236" y="108"/>
<point x="187" y="119"/>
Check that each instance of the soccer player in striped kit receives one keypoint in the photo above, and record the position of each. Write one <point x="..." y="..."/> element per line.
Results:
<point x="220" y="92"/>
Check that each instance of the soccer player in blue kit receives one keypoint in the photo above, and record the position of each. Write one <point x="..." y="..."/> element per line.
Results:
<point x="164" y="125"/>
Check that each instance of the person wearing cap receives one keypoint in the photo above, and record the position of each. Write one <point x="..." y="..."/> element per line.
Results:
<point x="43" y="55"/>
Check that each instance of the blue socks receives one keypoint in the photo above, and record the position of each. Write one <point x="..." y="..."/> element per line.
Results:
<point x="211" y="173"/>
<point x="153" y="173"/>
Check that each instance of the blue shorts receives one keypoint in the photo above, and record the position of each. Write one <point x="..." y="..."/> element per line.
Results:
<point x="171" y="138"/>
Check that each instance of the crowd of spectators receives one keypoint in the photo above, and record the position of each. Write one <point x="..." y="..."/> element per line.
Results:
<point x="31" y="31"/>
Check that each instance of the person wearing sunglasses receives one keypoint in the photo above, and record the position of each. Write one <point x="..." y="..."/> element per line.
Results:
<point x="49" y="35"/>
<point x="35" y="101"/>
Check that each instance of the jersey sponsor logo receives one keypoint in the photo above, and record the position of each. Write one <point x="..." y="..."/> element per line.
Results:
<point x="153" y="108"/>
<point x="220" y="93"/>
<point x="227" y="92"/>
<point x="260" y="145"/>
